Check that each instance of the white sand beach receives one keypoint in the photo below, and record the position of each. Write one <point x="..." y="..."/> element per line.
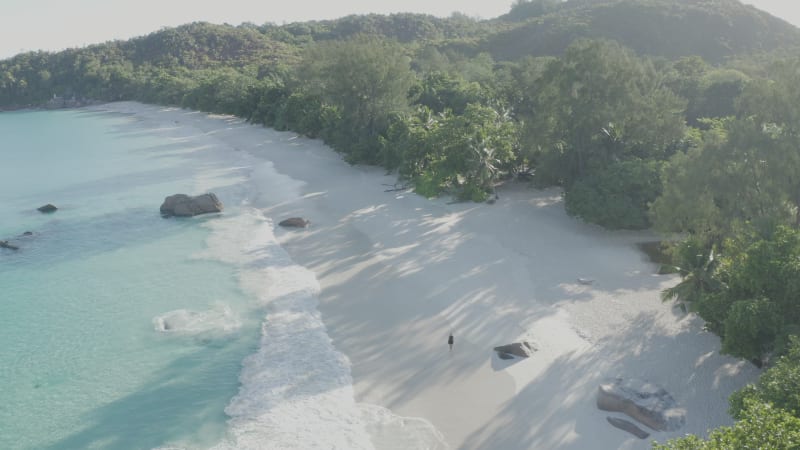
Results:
<point x="399" y="272"/>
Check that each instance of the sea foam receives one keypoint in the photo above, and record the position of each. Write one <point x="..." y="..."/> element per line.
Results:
<point x="219" y="319"/>
<point x="296" y="391"/>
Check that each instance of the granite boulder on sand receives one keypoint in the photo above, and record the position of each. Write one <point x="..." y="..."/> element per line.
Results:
<point x="645" y="402"/>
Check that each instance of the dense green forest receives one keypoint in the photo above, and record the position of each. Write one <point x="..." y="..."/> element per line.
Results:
<point x="679" y="115"/>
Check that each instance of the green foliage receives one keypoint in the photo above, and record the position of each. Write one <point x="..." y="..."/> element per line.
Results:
<point x="405" y="144"/>
<point x="749" y="295"/>
<point x="688" y="201"/>
<point x="305" y="113"/>
<point x="767" y="412"/>
<point x="616" y="196"/>
<point x="718" y="90"/>
<point x="779" y="385"/>
<point x="762" y="426"/>
<point x="696" y="263"/>
<point x="204" y="46"/>
<point x="366" y="80"/>
<point x="713" y="29"/>
<point x="765" y="268"/>
<point x="768" y="266"/>
<point x="440" y="92"/>
<point x="772" y="108"/>
<point x="525" y="9"/>
<point x="428" y="185"/>
<point x="221" y="91"/>
<point x="710" y="92"/>
<point x="454" y="105"/>
<point x="750" y="328"/>
<point x="599" y="105"/>
<point x="466" y="153"/>
<point x="598" y="123"/>
<point x="741" y="172"/>
<point x="402" y="27"/>
<point x="271" y="96"/>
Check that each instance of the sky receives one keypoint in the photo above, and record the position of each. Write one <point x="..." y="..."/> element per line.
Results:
<point x="57" y="24"/>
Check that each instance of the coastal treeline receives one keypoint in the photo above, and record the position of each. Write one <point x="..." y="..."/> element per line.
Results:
<point x="642" y="122"/>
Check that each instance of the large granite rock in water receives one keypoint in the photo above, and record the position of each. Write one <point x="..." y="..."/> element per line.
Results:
<point x="182" y="205"/>
<point x="645" y="402"/>
<point x="521" y="349"/>
<point x="48" y="208"/>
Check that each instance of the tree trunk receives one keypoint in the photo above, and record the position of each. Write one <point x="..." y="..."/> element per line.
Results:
<point x="797" y="210"/>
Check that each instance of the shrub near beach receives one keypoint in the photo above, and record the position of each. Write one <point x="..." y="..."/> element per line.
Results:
<point x="736" y="195"/>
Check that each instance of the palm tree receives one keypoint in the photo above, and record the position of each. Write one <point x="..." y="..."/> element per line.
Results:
<point x="484" y="165"/>
<point x="697" y="266"/>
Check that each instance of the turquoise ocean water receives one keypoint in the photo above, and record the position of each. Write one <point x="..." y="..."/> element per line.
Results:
<point x="82" y="362"/>
<point x="123" y="330"/>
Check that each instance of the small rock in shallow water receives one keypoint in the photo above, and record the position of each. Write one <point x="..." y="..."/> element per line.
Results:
<point x="48" y="208"/>
<point x="295" y="222"/>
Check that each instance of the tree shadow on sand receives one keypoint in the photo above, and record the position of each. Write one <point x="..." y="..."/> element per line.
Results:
<point x="558" y="410"/>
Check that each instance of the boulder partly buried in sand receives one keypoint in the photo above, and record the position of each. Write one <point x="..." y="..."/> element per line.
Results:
<point x="521" y="349"/>
<point x="644" y="402"/>
<point x="182" y="205"/>
<point x="294" y="222"/>
<point x="628" y="426"/>
<point x="48" y="208"/>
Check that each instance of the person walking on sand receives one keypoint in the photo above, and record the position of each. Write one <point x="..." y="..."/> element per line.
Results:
<point x="450" y="341"/>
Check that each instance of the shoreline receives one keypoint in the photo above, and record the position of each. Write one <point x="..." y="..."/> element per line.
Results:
<point x="399" y="272"/>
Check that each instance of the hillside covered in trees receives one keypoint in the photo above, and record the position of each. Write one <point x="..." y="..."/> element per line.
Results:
<point x="680" y="115"/>
<point x="712" y="29"/>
